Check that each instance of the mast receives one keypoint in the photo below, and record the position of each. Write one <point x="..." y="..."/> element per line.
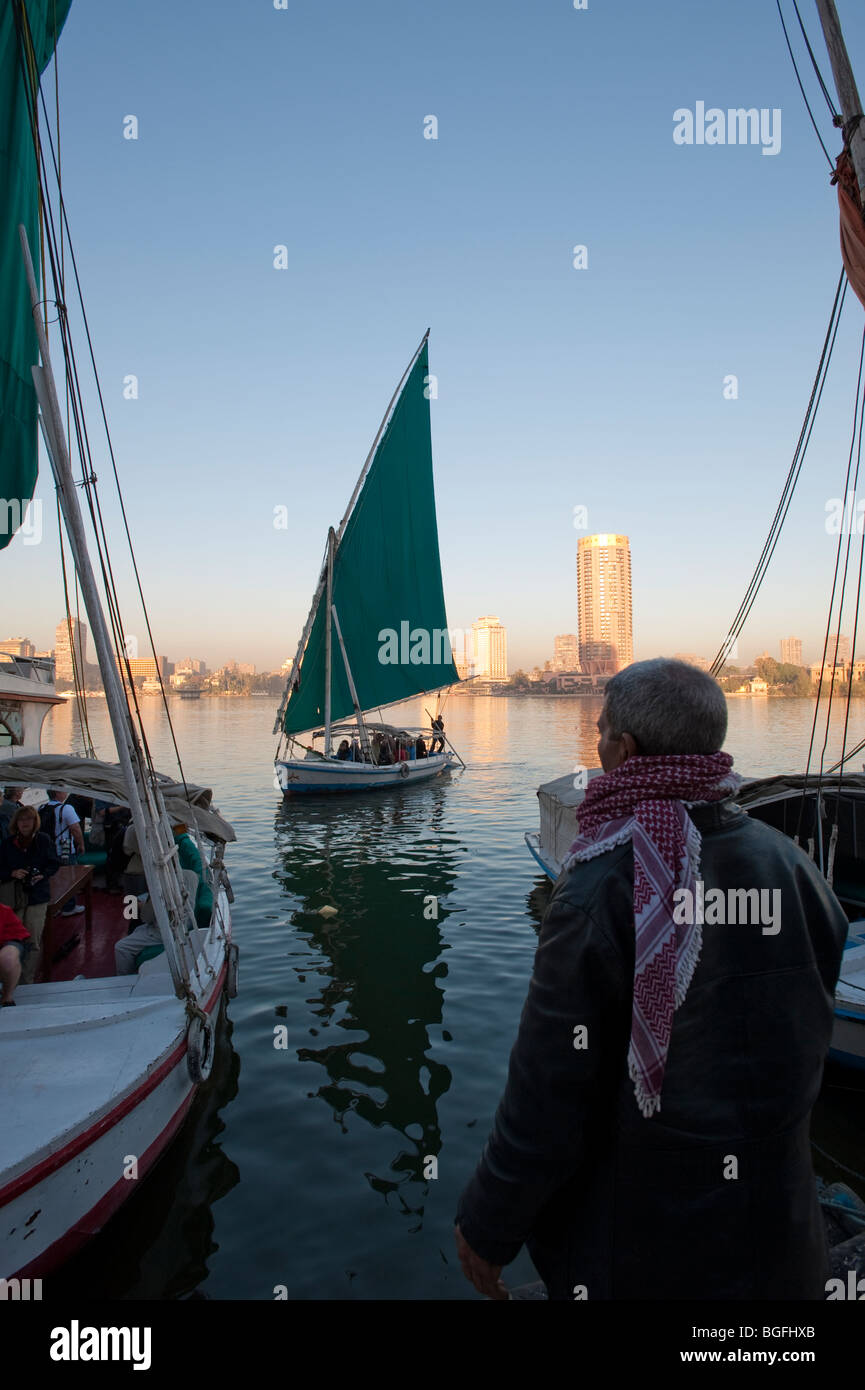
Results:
<point x="155" y="841"/>
<point x="328" y="643"/>
<point x="845" y="86"/>
<point x="364" y="736"/>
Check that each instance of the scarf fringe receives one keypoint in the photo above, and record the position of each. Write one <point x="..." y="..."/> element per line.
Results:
<point x="648" y="1105"/>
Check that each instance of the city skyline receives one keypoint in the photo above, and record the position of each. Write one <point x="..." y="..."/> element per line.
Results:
<point x="654" y="385"/>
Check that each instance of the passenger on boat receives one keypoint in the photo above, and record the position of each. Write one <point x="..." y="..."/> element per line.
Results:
<point x="145" y="936"/>
<point x="420" y="747"/>
<point x="438" y="737"/>
<point x="652" y="1141"/>
<point x="343" y="752"/>
<point x="61" y="820"/>
<point x="402" y="751"/>
<point x="356" y="754"/>
<point x="14" y="941"/>
<point x="8" y="806"/>
<point x="385" y="752"/>
<point x="28" y="861"/>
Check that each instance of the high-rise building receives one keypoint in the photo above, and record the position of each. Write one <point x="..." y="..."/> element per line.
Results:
<point x="691" y="659"/>
<point x="190" y="666"/>
<point x="490" y="649"/>
<point x="145" y="668"/>
<point x="566" y="652"/>
<point x="791" y="651"/>
<point x="17" y="646"/>
<point x="843" y="656"/>
<point x="64" y="648"/>
<point x="604" y="603"/>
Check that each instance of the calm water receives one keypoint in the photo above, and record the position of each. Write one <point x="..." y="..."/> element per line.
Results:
<point x="303" y="1166"/>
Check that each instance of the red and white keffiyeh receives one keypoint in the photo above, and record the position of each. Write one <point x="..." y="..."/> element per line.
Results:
<point x="645" y="801"/>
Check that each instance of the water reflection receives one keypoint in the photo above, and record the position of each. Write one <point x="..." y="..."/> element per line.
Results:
<point x="387" y="864"/>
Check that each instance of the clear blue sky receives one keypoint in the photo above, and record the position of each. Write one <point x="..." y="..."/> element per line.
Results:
<point x="557" y="387"/>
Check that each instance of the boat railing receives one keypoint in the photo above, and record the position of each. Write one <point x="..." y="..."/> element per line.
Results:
<point x="33" y="668"/>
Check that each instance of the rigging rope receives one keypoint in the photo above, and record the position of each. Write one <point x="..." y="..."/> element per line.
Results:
<point x="856" y="424"/>
<point x="825" y="90"/>
<point x="34" y="94"/>
<point x="790" y="482"/>
<point x="801" y="88"/>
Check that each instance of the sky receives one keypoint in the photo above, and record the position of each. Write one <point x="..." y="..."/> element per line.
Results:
<point x="558" y="387"/>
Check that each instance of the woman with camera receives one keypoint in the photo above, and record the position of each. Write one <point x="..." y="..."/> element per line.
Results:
<point x="27" y="861"/>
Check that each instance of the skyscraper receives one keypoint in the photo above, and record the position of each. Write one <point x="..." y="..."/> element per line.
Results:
<point x="604" y="603"/>
<point x="63" y="651"/>
<point x="566" y="652"/>
<point x="843" y="649"/>
<point x="791" y="650"/>
<point x="490" y="644"/>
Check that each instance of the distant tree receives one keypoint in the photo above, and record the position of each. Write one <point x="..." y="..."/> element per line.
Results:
<point x="519" y="681"/>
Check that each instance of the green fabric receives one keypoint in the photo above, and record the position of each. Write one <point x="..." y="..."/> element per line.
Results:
<point x="19" y="203"/>
<point x="189" y="858"/>
<point x="387" y="573"/>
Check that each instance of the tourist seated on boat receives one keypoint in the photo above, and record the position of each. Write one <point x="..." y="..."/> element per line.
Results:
<point x="146" y="934"/>
<point x="28" y="861"/>
<point x="383" y="753"/>
<point x="420" y="747"/>
<point x="8" y="806"/>
<point x="14" y="943"/>
<point x="402" y="751"/>
<point x="343" y="752"/>
<point x="356" y="754"/>
<point x="652" y="1141"/>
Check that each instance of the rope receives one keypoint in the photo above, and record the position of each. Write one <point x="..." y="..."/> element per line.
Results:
<point x="34" y="93"/>
<point x="801" y="88"/>
<point x="831" y="607"/>
<point x="826" y="93"/>
<point x="791" y="480"/>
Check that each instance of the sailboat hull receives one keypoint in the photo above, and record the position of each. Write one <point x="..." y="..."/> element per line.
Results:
<point x="98" y="1076"/>
<point x="306" y="776"/>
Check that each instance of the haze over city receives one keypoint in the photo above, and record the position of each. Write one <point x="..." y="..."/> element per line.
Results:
<point x="600" y="387"/>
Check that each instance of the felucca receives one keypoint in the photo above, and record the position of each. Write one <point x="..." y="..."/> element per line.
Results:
<point x="377" y="633"/>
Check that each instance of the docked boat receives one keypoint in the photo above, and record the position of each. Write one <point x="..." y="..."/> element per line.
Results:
<point x="795" y="807"/>
<point x="97" y="1069"/>
<point x="377" y="633"/>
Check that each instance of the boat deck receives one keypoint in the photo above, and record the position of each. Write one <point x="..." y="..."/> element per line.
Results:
<point x="76" y="951"/>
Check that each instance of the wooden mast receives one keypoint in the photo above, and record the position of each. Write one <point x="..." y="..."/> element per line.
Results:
<point x="845" y="86"/>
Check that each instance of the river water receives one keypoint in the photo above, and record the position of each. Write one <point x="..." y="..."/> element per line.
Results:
<point x="363" y="1046"/>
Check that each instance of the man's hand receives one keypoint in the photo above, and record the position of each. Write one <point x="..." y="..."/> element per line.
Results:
<point x="481" y="1273"/>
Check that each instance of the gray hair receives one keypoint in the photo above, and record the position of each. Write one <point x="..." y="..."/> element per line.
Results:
<point x="667" y="707"/>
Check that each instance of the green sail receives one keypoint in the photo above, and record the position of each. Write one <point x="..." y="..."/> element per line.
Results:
<point x="19" y="202"/>
<point x="386" y="580"/>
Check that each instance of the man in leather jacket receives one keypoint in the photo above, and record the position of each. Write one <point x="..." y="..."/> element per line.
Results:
<point x="639" y="1163"/>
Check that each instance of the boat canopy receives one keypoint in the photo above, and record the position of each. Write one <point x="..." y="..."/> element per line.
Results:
<point x="387" y="583"/>
<point x="19" y="199"/>
<point x="757" y="790"/>
<point x="104" y="781"/>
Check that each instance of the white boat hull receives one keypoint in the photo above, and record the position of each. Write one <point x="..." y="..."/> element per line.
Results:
<point x="299" y="776"/>
<point x="98" y="1084"/>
